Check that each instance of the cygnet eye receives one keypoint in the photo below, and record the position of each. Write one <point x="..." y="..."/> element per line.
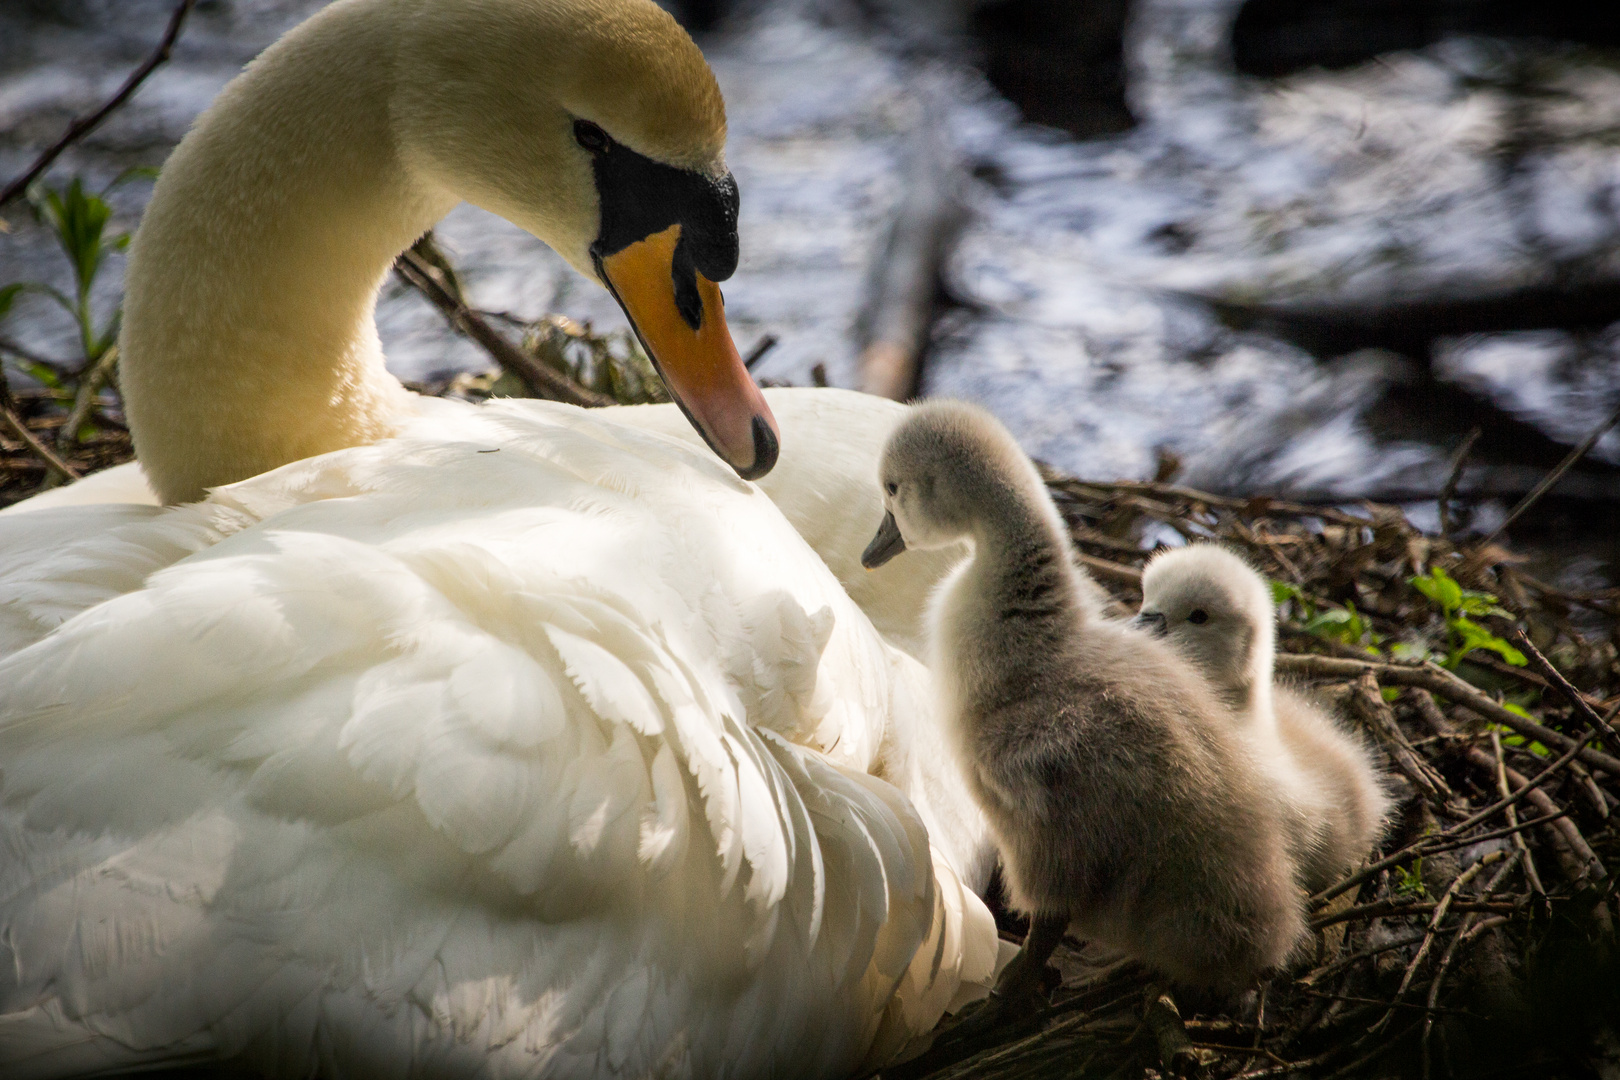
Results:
<point x="891" y="487"/>
<point x="1198" y="617"/>
<point x="591" y="137"/>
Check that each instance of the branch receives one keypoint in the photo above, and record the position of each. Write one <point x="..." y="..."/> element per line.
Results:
<point x="62" y="469"/>
<point x="1440" y="681"/>
<point x="542" y="381"/>
<point x="1555" y="678"/>
<point x="1547" y="482"/>
<point x="82" y="127"/>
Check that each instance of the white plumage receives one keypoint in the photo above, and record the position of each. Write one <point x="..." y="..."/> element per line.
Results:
<point x="525" y="743"/>
<point x="441" y="740"/>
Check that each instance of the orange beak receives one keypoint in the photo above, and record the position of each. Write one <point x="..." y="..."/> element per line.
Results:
<point x="700" y="365"/>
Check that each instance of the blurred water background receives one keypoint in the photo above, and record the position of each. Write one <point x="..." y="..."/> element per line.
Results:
<point x="1297" y="249"/>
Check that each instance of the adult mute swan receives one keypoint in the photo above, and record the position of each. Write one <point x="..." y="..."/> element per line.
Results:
<point x="512" y="740"/>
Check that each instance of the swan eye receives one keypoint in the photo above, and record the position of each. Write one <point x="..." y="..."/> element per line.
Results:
<point x="591" y="137"/>
<point x="891" y="487"/>
<point x="1198" y="617"/>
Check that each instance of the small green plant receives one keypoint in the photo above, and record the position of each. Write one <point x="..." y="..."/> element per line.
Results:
<point x="1344" y="625"/>
<point x="1460" y="607"/>
<point x="1410" y="882"/>
<point x="79" y="220"/>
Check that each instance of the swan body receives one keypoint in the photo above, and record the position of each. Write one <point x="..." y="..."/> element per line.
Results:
<point x="822" y="483"/>
<point x="346" y="783"/>
<point x="413" y="738"/>
<point x="1214" y="608"/>
<point x="1123" y="804"/>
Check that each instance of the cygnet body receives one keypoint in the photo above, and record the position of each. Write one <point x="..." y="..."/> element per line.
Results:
<point x="1123" y="798"/>
<point x="1213" y="607"/>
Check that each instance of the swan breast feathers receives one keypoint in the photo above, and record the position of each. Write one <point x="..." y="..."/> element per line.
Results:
<point x="473" y="680"/>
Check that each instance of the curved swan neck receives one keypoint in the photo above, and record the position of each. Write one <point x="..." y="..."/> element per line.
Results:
<point x="249" y="339"/>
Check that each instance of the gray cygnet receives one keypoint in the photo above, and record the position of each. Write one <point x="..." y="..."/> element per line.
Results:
<point x="1212" y="606"/>
<point x="1126" y="803"/>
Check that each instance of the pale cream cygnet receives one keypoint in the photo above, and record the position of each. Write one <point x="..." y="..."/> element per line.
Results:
<point x="1121" y="792"/>
<point x="1214" y="608"/>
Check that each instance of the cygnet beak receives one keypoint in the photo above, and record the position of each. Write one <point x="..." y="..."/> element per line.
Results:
<point x="680" y="318"/>
<point x="1153" y="622"/>
<point x="885" y="545"/>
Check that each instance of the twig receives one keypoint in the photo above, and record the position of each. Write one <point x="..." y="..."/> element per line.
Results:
<point x="1562" y="685"/>
<point x="541" y="380"/>
<point x="1440" y="909"/>
<point x="1552" y="478"/>
<point x="1368" y="703"/>
<point x="59" y="468"/>
<point x="892" y="329"/>
<point x="1530" y="872"/>
<point x="757" y="353"/>
<point x="1416" y="848"/>
<point x="84" y="398"/>
<point x="1128" y="575"/>
<point x="1440" y="681"/>
<point x="1381" y="908"/>
<point x="1449" y="491"/>
<point x="82" y="127"/>
<point x="1465" y="932"/>
<point x="1163" y="1019"/>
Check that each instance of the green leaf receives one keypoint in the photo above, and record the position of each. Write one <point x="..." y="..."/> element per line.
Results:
<point x="134" y="172"/>
<point x="1470" y="636"/>
<point x="43" y="374"/>
<point x="9" y="294"/>
<point x="1283" y="591"/>
<point x="1439" y="587"/>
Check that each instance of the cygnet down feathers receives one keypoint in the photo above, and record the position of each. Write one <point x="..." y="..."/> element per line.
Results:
<point x="1119" y="788"/>
<point x="1214" y="608"/>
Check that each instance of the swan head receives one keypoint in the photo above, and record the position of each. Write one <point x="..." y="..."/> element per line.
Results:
<point x="1216" y="611"/>
<point x="947" y="468"/>
<point x="597" y="126"/>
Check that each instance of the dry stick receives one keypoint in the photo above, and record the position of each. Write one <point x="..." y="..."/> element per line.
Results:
<point x="1563" y="685"/>
<point x="1449" y="492"/>
<point x="541" y="380"/>
<point x="1419" y="847"/>
<point x="82" y="127"/>
<point x="1552" y="478"/>
<point x="1129" y="575"/>
<point x="1380" y="908"/>
<point x="1440" y="681"/>
<point x="757" y="353"/>
<point x="1575" y="856"/>
<point x="1163" y="1019"/>
<point x="1532" y="875"/>
<point x="59" y="468"/>
<point x="1464" y="933"/>
<point x="1440" y="910"/>
<point x="84" y="399"/>
<point x="1590" y="790"/>
<point x="893" y="328"/>
<point x="1368" y="703"/>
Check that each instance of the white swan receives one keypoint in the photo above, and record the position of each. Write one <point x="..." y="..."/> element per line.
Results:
<point x="511" y="740"/>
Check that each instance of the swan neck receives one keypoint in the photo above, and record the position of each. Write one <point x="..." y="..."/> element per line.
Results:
<point x="249" y="338"/>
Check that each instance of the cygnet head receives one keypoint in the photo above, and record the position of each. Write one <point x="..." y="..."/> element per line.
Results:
<point x="1218" y="613"/>
<point x="597" y="126"/>
<point x="948" y="470"/>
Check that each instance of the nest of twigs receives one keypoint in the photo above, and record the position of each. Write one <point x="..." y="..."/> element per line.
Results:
<point x="1478" y="941"/>
<point x="39" y="459"/>
<point x="1479" y="938"/>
